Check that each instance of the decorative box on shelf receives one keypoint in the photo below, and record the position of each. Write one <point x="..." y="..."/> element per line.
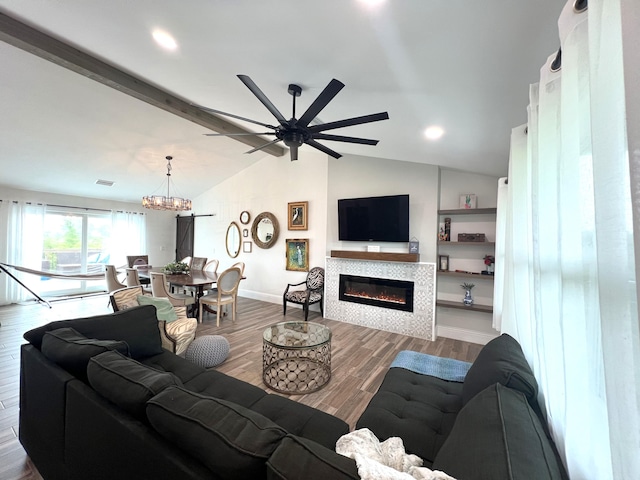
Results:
<point x="472" y="237"/>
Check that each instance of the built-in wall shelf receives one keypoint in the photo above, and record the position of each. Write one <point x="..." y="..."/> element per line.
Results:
<point x="379" y="256"/>
<point x="473" y="308"/>
<point x="468" y="211"/>
<point x="467" y="244"/>
<point x="464" y="274"/>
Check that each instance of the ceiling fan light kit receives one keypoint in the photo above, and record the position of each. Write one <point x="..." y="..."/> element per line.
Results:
<point x="160" y="202"/>
<point x="296" y="132"/>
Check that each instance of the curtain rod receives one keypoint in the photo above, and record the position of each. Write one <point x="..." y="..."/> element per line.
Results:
<point x="192" y="215"/>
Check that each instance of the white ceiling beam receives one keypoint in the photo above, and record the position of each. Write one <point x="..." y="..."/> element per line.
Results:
<point x="44" y="46"/>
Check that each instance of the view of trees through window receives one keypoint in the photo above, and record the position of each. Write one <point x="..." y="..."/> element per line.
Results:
<point x="74" y="243"/>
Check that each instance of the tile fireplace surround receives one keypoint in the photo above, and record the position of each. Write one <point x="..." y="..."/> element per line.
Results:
<point x="420" y="323"/>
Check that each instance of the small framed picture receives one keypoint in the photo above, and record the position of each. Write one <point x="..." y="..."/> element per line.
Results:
<point x="298" y="254"/>
<point x="245" y="232"/>
<point x="468" y="200"/>
<point x="246" y="247"/>
<point x="297" y="212"/>
<point x="443" y="263"/>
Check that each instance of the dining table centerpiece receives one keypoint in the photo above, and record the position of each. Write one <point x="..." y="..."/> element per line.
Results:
<point x="176" y="268"/>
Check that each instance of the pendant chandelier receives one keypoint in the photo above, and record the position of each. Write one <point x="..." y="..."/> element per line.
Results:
<point x="159" y="202"/>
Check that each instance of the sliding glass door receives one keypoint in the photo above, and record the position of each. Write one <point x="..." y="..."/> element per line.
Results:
<point x="74" y="242"/>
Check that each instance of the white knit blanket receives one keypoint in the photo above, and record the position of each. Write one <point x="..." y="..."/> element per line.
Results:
<point x="384" y="460"/>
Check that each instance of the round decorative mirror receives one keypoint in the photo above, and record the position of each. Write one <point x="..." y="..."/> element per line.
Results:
<point x="265" y="229"/>
<point x="233" y="240"/>
<point x="245" y="217"/>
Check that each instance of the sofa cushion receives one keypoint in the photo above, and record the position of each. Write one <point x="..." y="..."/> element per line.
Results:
<point x="164" y="308"/>
<point x="232" y="441"/>
<point x="126" y="382"/>
<point x="72" y="350"/>
<point x="302" y="420"/>
<point x="420" y="409"/>
<point x="137" y="326"/>
<point x="498" y="435"/>
<point x="500" y="361"/>
<point x="300" y="458"/>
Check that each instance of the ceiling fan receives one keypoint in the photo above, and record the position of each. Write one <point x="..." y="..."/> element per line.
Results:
<point x="296" y="131"/>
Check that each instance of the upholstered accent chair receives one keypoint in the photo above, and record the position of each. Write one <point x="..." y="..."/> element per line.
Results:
<point x="159" y="289"/>
<point x="177" y="331"/>
<point x="313" y="292"/>
<point x="226" y="293"/>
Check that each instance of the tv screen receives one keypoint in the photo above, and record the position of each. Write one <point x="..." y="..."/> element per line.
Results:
<point x="376" y="219"/>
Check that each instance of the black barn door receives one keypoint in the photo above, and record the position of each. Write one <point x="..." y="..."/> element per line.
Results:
<point x="184" y="236"/>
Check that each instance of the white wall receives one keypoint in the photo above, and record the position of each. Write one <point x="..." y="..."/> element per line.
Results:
<point x="355" y="176"/>
<point x="266" y="186"/>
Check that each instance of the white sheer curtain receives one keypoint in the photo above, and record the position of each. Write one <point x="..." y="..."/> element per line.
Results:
<point x="128" y="236"/>
<point x="569" y="291"/>
<point x="22" y="245"/>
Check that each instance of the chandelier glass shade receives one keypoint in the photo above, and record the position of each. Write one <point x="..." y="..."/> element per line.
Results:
<point x="161" y="202"/>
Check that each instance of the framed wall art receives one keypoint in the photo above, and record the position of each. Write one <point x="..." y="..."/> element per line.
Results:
<point x="297" y="254"/>
<point x="246" y="247"/>
<point x="468" y="200"/>
<point x="297" y="212"/>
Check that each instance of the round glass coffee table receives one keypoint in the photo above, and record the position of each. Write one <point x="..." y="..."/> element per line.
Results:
<point x="296" y="357"/>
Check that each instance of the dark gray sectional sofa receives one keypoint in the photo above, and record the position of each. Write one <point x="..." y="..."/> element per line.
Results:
<point x="101" y="399"/>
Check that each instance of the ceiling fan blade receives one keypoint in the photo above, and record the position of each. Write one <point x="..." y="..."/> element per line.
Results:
<point x="340" y="138"/>
<point x="320" y="102"/>
<point x="293" y="150"/>
<point x="263" y="98"/>
<point x="322" y="148"/>
<point x="263" y="146"/>
<point x="236" y="134"/>
<point x="211" y="110"/>
<point x="376" y="117"/>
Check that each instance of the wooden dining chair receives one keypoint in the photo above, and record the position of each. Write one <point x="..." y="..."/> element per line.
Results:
<point x="133" y="279"/>
<point x="159" y="289"/>
<point x="225" y="294"/>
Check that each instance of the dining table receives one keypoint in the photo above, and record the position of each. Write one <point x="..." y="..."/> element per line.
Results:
<point x="198" y="279"/>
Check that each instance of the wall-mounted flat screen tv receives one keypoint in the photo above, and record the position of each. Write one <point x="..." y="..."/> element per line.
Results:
<point x="374" y="219"/>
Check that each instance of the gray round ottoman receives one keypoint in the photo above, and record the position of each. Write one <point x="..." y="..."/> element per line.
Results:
<point x="208" y="350"/>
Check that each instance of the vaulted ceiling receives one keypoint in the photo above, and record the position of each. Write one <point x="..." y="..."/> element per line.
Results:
<point x="465" y="66"/>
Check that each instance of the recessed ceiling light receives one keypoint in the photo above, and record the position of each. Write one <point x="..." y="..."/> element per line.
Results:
<point x="165" y="40"/>
<point x="434" y="132"/>
<point x="372" y="3"/>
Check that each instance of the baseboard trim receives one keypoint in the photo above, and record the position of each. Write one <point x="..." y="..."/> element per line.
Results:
<point x="465" y="335"/>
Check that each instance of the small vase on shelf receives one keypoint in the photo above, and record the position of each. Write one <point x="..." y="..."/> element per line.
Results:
<point x="468" y="299"/>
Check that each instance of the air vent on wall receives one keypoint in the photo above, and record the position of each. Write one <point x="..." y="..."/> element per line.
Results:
<point x="106" y="183"/>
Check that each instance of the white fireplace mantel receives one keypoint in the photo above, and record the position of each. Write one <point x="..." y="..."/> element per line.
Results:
<point x="420" y="323"/>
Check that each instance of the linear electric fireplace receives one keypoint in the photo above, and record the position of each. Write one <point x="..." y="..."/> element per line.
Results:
<point x="379" y="292"/>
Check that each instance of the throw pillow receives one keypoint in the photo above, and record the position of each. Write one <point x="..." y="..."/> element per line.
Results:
<point x="233" y="441"/>
<point x="164" y="308"/>
<point x="137" y="326"/>
<point x="126" y="382"/>
<point x="501" y="360"/>
<point x="498" y="435"/>
<point x="298" y="457"/>
<point x="72" y="350"/>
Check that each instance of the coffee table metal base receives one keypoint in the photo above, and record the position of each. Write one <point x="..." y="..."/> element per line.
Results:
<point x="296" y="375"/>
<point x="296" y="357"/>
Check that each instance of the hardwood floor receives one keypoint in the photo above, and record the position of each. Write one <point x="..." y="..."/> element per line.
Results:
<point x="360" y="358"/>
